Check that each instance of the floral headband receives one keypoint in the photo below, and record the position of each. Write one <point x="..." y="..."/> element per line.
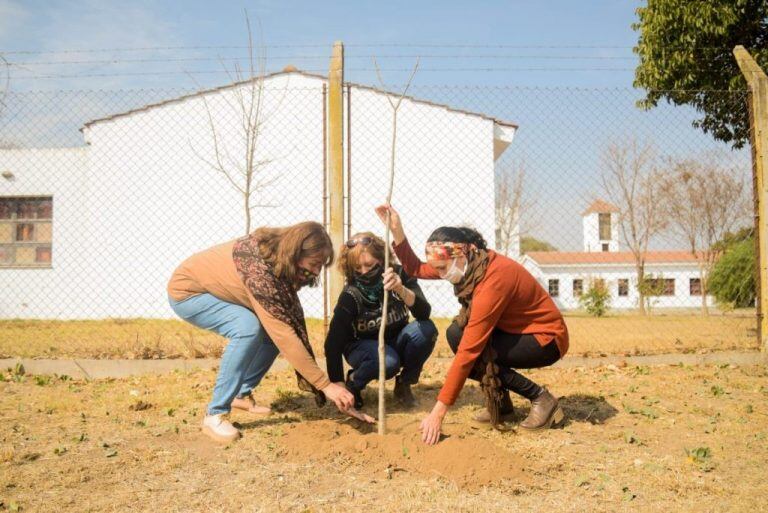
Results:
<point x="445" y="250"/>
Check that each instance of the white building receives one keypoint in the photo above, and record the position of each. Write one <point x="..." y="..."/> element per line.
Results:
<point x="96" y="231"/>
<point x="566" y="275"/>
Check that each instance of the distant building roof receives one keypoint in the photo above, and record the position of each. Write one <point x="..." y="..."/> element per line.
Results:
<point x="601" y="207"/>
<point x="551" y="258"/>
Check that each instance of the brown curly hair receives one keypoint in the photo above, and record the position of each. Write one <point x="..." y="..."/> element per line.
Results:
<point x="283" y="247"/>
<point x="350" y="257"/>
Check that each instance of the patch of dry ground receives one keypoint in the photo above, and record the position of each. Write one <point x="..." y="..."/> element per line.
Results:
<point x="162" y="338"/>
<point x="637" y="438"/>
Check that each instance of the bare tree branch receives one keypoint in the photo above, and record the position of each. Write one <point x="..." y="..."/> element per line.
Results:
<point x="387" y="235"/>
<point x="630" y="180"/>
<point x="704" y="200"/>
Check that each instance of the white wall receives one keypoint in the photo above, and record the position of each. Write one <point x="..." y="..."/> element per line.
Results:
<point x="158" y="201"/>
<point x="591" y="235"/>
<point x="611" y="275"/>
<point x="141" y="197"/>
<point x="444" y="174"/>
<point x="56" y="291"/>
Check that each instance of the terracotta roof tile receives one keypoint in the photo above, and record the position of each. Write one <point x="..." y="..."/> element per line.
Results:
<point x="600" y="207"/>
<point x="619" y="257"/>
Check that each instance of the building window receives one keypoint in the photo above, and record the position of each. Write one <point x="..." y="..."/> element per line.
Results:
<point x="694" y="286"/>
<point x="605" y="248"/>
<point x="578" y="287"/>
<point x="623" y="287"/>
<point x="604" y="221"/>
<point x="554" y="288"/>
<point x="660" y="286"/>
<point x="26" y="231"/>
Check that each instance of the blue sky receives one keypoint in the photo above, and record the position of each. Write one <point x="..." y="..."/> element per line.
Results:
<point x="366" y="27"/>
<point x="561" y="69"/>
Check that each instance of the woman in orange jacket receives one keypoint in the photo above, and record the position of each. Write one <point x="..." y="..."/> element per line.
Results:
<point x="507" y="321"/>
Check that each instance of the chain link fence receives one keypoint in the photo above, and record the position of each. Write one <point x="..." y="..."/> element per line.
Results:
<point x="104" y="193"/>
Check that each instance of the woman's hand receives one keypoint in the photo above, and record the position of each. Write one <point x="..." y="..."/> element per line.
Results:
<point x="430" y="426"/>
<point x="345" y="402"/>
<point x="341" y="397"/>
<point x="393" y="282"/>
<point x="395" y="225"/>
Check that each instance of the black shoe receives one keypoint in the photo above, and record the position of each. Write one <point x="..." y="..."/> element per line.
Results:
<point x="404" y="394"/>
<point x="355" y="392"/>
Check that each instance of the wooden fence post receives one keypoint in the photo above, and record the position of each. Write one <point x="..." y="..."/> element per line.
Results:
<point x="758" y="117"/>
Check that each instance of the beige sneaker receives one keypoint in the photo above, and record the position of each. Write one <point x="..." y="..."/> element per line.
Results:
<point x="219" y="428"/>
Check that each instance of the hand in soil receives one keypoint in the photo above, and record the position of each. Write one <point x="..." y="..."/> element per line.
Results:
<point x="430" y="428"/>
<point x="341" y="397"/>
<point x="360" y="416"/>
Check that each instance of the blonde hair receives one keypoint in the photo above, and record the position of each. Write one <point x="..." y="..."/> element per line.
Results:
<point x="349" y="258"/>
<point x="283" y="247"/>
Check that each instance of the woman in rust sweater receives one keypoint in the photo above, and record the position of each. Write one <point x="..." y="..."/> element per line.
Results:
<point x="507" y="321"/>
<point x="246" y="290"/>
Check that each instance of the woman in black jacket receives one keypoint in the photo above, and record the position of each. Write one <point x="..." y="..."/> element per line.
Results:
<point x="356" y="320"/>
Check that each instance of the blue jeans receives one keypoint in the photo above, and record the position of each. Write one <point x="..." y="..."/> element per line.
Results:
<point x="248" y="355"/>
<point x="409" y="350"/>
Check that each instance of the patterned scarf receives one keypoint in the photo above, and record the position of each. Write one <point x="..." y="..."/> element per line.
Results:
<point x="277" y="296"/>
<point x="485" y="367"/>
<point x="374" y="294"/>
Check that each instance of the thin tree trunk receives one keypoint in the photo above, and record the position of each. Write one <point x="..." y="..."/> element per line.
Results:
<point x="387" y="236"/>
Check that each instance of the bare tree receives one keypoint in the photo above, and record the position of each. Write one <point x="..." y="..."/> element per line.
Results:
<point x="704" y="200"/>
<point x="385" y="305"/>
<point x="630" y="179"/>
<point x="510" y="204"/>
<point x="238" y="160"/>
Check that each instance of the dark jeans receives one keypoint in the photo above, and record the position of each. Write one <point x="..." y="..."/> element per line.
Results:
<point x="514" y="352"/>
<point x="408" y="351"/>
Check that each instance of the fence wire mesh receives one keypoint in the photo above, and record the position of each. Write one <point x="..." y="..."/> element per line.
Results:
<point x="620" y="213"/>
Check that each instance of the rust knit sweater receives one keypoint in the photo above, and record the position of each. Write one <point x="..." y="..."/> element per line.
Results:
<point x="507" y="298"/>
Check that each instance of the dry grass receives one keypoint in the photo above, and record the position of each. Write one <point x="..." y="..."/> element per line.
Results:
<point x="155" y="338"/>
<point x="638" y="439"/>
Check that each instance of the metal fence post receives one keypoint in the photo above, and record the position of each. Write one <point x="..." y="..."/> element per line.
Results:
<point x="758" y="116"/>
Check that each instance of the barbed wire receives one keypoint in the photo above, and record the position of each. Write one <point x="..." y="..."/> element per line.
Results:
<point x="307" y="57"/>
<point x="324" y="70"/>
<point x="681" y="48"/>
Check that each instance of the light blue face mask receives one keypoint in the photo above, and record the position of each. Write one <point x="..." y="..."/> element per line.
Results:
<point x="454" y="275"/>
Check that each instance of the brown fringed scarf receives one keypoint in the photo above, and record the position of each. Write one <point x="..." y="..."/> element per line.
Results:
<point x="485" y="366"/>
<point x="277" y="296"/>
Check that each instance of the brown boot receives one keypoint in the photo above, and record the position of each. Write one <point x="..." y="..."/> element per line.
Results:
<point x="506" y="410"/>
<point x="545" y="412"/>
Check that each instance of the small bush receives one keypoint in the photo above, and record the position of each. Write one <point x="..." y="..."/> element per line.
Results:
<point x="597" y="299"/>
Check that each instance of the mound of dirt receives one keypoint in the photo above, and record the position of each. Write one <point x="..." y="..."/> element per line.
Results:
<point x="467" y="460"/>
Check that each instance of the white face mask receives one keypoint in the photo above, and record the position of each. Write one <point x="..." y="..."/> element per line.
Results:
<point x="454" y="275"/>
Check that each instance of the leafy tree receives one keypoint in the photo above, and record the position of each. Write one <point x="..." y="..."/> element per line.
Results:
<point x="528" y="244"/>
<point x="685" y="51"/>
<point x="732" y="281"/>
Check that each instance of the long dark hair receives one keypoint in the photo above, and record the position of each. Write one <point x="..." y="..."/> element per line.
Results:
<point x="461" y="234"/>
